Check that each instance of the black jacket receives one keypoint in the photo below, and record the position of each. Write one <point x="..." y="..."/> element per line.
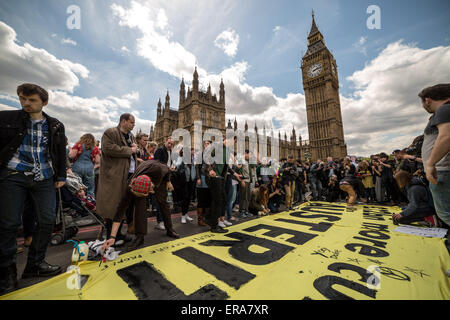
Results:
<point x="13" y="129"/>
<point x="162" y="155"/>
<point x="289" y="172"/>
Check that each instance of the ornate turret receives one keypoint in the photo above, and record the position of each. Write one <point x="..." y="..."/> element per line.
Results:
<point x="235" y="124"/>
<point x="246" y="126"/>
<point x="167" y="104"/>
<point x="195" y="82"/>
<point x="158" y="113"/>
<point x="293" y="136"/>
<point x="229" y="124"/>
<point x="314" y="34"/>
<point x="182" y="92"/>
<point x="222" y="93"/>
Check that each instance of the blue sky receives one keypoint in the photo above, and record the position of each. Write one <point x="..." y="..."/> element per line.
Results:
<point x="261" y="73"/>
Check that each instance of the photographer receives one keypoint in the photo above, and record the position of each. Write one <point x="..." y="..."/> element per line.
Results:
<point x="333" y="189"/>
<point x="289" y="170"/>
<point x="387" y="178"/>
<point x="275" y="195"/>
<point x="407" y="162"/>
<point x="315" y="179"/>
<point x="376" y="168"/>
<point x="366" y="177"/>
<point x="300" y="182"/>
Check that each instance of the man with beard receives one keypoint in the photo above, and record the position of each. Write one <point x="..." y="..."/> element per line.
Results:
<point x="436" y="146"/>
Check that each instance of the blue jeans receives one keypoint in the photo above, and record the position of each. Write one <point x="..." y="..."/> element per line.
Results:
<point x="159" y="217"/>
<point x="441" y="196"/>
<point x="316" y="186"/>
<point x="231" y="196"/>
<point x="85" y="170"/>
<point x="15" y="188"/>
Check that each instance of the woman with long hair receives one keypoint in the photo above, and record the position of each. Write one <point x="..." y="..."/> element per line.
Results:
<point x="259" y="201"/>
<point x="85" y="156"/>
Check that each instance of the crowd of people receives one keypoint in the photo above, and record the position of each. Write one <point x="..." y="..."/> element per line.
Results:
<point x="123" y="178"/>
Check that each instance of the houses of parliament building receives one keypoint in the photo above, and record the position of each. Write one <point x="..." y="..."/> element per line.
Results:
<point x="321" y="86"/>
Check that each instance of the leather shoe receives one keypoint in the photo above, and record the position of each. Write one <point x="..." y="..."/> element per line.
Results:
<point x="125" y="238"/>
<point x="8" y="279"/>
<point x="41" y="270"/>
<point x="173" y="234"/>
<point x="137" y="242"/>
<point x="218" y="229"/>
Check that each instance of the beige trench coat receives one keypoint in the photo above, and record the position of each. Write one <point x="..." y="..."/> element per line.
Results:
<point x="114" y="167"/>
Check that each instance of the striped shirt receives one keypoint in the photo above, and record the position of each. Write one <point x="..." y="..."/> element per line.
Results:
<point x="32" y="157"/>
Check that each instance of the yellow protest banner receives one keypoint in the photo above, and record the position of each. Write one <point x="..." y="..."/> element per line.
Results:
<point x="317" y="251"/>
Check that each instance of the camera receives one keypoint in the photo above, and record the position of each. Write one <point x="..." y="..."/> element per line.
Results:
<point x="415" y="149"/>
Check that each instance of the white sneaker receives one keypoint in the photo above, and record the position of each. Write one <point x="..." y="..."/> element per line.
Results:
<point x="183" y="219"/>
<point x="189" y="218"/>
<point x="221" y="224"/>
<point x="227" y="223"/>
<point x="160" y="226"/>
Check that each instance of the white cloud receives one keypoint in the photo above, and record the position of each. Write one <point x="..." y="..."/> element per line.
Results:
<point x="384" y="112"/>
<point x="89" y="115"/>
<point x="155" y="44"/>
<point x="359" y="45"/>
<point x="93" y="115"/>
<point x="125" y="49"/>
<point x="19" y="64"/>
<point x="161" y="19"/>
<point x="68" y="41"/>
<point x="228" y="41"/>
<point x="26" y="63"/>
<point x="4" y="107"/>
<point x="276" y="29"/>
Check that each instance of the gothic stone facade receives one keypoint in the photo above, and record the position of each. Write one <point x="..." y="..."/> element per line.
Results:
<point x="197" y="105"/>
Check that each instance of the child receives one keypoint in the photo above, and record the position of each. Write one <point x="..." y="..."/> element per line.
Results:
<point x="88" y="200"/>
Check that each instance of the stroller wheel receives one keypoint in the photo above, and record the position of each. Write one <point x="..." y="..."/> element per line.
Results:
<point x="71" y="232"/>
<point x="57" y="239"/>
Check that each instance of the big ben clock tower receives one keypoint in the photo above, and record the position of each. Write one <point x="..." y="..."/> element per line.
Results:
<point x="323" y="108"/>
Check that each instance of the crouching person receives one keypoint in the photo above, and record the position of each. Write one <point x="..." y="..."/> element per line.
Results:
<point x="150" y="177"/>
<point x="420" y="206"/>
<point x="351" y="185"/>
<point x="259" y="201"/>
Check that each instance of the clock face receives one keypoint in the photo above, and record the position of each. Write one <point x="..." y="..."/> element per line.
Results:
<point x="314" y="70"/>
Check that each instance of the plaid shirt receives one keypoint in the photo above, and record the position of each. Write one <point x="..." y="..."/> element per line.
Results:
<point x="32" y="156"/>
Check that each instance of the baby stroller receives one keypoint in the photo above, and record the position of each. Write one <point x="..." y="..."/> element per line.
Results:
<point x="73" y="213"/>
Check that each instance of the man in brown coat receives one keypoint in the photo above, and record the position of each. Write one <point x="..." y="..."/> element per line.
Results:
<point x="118" y="163"/>
<point x="160" y="178"/>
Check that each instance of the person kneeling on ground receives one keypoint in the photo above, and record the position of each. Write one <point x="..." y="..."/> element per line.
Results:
<point x="350" y="185"/>
<point x="150" y="173"/>
<point x="274" y="195"/>
<point x="420" y="206"/>
<point x="259" y="200"/>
